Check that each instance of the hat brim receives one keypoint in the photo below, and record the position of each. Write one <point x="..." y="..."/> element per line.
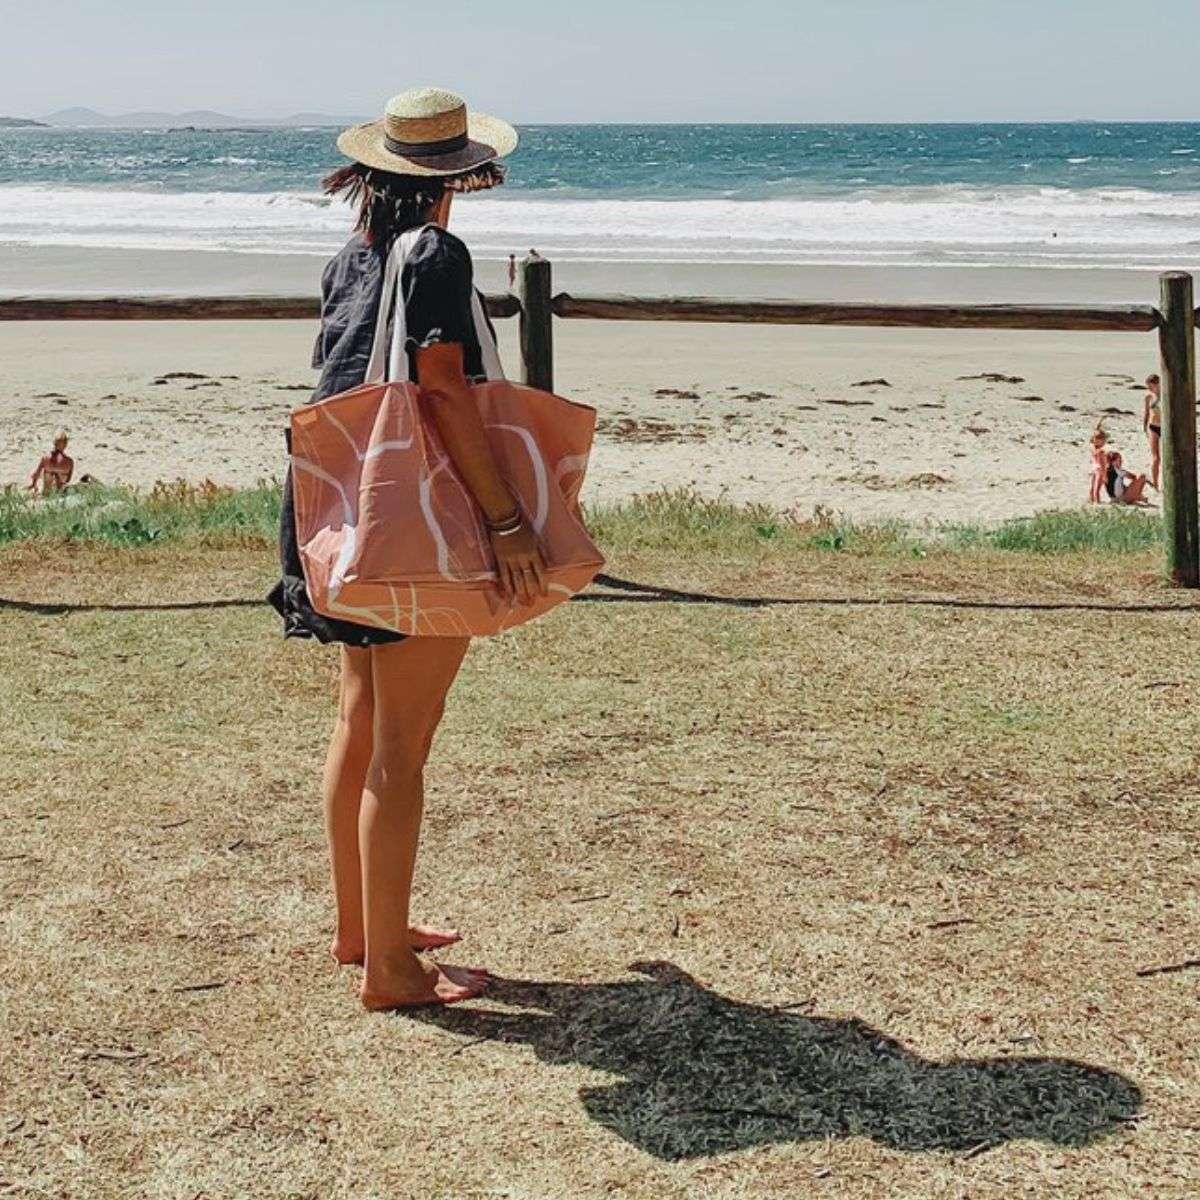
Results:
<point x="488" y="138"/>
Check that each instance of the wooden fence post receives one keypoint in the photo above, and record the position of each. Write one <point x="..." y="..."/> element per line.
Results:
<point x="1181" y="513"/>
<point x="537" y="335"/>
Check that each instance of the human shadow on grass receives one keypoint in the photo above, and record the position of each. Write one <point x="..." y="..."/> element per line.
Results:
<point x="703" y="1074"/>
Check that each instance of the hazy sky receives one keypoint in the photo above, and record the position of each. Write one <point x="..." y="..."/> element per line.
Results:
<point x="613" y="60"/>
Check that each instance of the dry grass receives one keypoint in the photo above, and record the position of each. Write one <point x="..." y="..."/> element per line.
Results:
<point x="806" y="901"/>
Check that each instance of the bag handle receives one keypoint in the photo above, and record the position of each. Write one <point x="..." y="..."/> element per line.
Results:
<point x="391" y="305"/>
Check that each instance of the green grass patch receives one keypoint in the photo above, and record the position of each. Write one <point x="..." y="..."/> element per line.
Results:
<point x="1106" y="530"/>
<point x="678" y="521"/>
<point x="168" y="512"/>
<point x="682" y="520"/>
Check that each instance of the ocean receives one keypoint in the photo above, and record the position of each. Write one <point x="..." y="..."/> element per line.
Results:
<point x="1082" y="195"/>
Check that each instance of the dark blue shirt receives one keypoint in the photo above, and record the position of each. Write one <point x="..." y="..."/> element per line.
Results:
<point x="437" y="282"/>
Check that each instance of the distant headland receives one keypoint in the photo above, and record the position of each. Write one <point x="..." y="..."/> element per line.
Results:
<point x="21" y="123"/>
<point x="184" y="121"/>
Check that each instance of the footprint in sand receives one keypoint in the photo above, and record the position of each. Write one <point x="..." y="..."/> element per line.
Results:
<point x="993" y="377"/>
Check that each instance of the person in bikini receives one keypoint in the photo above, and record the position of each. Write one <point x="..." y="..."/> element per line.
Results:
<point x="55" y="469"/>
<point x="1152" y="425"/>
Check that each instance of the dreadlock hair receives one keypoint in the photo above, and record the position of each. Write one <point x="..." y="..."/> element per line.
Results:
<point x="388" y="203"/>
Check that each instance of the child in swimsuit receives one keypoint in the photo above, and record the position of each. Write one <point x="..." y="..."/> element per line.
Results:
<point x="1152" y="425"/>
<point x="1099" y="464"/>
<point x="55" y="469"/>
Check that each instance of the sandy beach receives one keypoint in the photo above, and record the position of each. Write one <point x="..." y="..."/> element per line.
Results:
<point x="967" y="425"/>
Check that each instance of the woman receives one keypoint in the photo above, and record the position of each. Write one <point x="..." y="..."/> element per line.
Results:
<point x="407" y="168"/>
<point x="1152" y="425"/>
<point x="54" y="469"/>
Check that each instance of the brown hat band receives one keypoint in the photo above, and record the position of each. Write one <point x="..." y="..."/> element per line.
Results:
<point x="426" y="149"/>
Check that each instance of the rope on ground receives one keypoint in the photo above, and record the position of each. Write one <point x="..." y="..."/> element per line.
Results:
<point x="632" y="592"/>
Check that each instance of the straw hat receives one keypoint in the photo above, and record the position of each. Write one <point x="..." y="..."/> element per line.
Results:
<point x="428" y="131"/>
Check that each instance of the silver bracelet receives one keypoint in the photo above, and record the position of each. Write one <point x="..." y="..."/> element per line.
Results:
<point x="508" y="532"/>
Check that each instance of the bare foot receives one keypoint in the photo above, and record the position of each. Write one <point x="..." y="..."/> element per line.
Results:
<point x="423" y="937"/>
<point x="348" y="952"/>
<point x="416" y="982"/>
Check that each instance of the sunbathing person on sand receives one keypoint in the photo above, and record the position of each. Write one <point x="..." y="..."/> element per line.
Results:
<point x="55" y="469"/>
<point x="1123" y="486"/>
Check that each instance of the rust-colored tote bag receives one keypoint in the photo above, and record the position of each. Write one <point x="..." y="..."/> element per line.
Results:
<point x="389" y="534"/>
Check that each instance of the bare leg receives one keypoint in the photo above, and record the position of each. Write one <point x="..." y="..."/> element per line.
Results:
<point x="345" y="771"/>
<point x="1155" y="460"/>
<point x="346" y="766"/>
<point x="410" y="682"/>
<point x="1135" y="492"/>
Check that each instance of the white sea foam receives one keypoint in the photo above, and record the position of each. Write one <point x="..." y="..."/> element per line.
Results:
<point x="1007" y="226"/>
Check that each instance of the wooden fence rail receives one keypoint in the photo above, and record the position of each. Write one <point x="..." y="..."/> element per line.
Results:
<point x="187" y="308"/>
<point x="1114" y="318"/>
<point x="536" y="306"/>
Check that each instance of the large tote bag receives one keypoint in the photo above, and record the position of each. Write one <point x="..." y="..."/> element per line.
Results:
<point x="389" y="534"/>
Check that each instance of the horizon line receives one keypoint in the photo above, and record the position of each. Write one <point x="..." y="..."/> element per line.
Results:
<point x="327" y="121"/>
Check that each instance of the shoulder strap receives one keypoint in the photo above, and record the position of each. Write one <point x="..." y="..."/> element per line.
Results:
<point x="391" y="301"/>
<point x="492" y="366"/>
